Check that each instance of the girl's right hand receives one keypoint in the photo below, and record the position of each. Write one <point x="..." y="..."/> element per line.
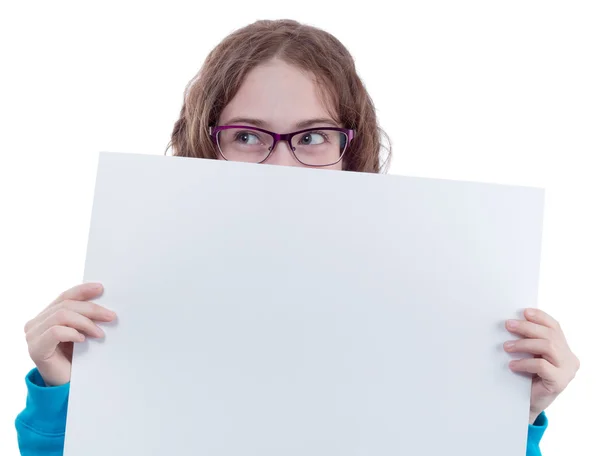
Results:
<point x="68" y="319"/>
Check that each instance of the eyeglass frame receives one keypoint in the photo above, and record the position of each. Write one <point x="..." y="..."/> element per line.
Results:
<point x="213" y="132"/>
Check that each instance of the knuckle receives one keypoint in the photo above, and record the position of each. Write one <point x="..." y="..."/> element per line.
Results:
<point x="555" y="388"/>
<point x="54" y="331"/>
<point x="541" y="365"/>
<point x="61" y="297"/>
<point x="577" y="363"/>
<point x="95" y="308"/>
<point x="562" y="385"/>
<point x="27" y="326"/>
<point x="555" y="333"/>
<point x="80" y="307"/>
<point x="32" y="352"/>
<point x="68" y="304"/>
<point x="60" y="305"/>
<point x="98" y="312"/>
<point x="62" y="315"/>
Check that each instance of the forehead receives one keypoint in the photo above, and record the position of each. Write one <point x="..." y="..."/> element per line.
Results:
<point x="280" y="94"/>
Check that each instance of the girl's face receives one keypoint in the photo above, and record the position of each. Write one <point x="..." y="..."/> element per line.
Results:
<point x="279" y="97"/>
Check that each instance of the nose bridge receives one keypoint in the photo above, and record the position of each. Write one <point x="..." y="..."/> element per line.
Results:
<point x="282" y="154"/>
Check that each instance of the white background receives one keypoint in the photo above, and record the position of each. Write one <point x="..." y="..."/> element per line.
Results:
<point x="502" y="92"/>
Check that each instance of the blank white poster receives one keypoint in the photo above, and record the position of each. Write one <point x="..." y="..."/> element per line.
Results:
<point x="268" y="310"/>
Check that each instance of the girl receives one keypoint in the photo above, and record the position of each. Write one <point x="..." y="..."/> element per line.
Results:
<point x="261" y="82"/>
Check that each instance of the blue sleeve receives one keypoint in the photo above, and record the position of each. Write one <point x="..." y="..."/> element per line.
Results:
<point x="41" y="425"/>
<point x="535" y="433"/>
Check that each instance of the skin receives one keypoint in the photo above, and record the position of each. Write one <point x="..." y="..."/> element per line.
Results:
<point x="281" y="96"/>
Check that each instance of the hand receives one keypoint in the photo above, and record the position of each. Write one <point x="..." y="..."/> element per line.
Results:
<point x="553" y="366"/>
<point x="51" y="334"/>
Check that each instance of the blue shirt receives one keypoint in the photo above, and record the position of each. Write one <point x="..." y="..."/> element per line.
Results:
<point x="41" y="425"/>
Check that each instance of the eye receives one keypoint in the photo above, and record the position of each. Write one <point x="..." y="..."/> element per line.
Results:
<point x="312" y="138"/>
<point x="247" y="138"/>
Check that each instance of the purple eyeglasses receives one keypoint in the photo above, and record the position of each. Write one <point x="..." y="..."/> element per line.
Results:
<point x="325" y="146"/>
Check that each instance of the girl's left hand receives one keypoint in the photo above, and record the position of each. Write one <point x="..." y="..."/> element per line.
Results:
<point x="553" y="366"/>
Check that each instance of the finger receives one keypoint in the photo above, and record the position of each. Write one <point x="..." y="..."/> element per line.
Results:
<point x="541" y="347"/>
<point x="528" y="329"/>
<point x="541" y="318"/>
<point x="538" y="366"/>
<point x="45" y="345"/>
<point x="88" y="309"/>
<point x="82" y="292"/>
<point x="69" y="318"/>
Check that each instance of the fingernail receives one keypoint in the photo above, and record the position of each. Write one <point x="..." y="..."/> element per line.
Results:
<point x="530" y="312"/>
<point x="81" y="338"/>
<point x="96" y="286"/>
<point x="99" y="331"/>
<point x="512" y="324"/>
<point x="509" y="345"/>
<point x="512" y="364"/>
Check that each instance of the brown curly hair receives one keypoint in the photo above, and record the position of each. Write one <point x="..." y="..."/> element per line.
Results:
<point x="306" y="47"/>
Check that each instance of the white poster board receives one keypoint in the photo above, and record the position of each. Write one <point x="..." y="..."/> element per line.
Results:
<point x="277" y="311"/>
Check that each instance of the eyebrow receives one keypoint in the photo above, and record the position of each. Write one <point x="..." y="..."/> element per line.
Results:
<point x="262" y="124"/>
